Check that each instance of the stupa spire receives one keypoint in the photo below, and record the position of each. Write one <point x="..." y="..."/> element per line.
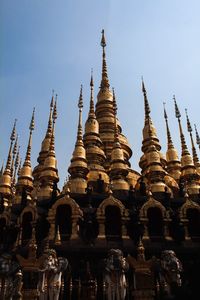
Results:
<point x="105" y="115"/>
<point x="104" y="80"/>
<point x="146" y="103"/>
<point x="194" y="152"/>
<point x="12" y="138"/>
<point x="14" y="152"/>
<point x="118" y="168"/>
<point x="91" y="111"/>
<point x="25" y="179"/>
<point x="94" y="153"/>
<point x="183" y="142"/>
<point x="197" y="136"/>
<point x="49" y="127"/>
<point x="169" y="139"/>
<point x="54" y="117"/>
<point x="27" y="161"/>
<point x="189" y="174"/>
<point x="149" y="134"/>
<point x="44" y="146"/>
<point x="78" y="168"/>
<point x="16" y="165"/>
<point x="80" y="129"/>
<point x="173" y="162"/>
<point x="5" y="180"/>
<point x="49" y="172"/>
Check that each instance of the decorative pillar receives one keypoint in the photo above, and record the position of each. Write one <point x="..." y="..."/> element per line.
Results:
<point x="51" y="219"/>
<point x="166" y="229"/>
<point x="124" y="229"/>
<point x="101" y="221"/>
<point x="185" y="224"/>
<point x="74" y="228"/>
<point x="146" y="233"/>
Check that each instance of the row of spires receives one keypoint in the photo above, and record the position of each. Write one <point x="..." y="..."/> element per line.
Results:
<point x="102" y="152"/>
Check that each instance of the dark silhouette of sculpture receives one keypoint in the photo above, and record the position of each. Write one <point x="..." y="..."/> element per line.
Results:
<point x="11" y="278"/>
<point x="50" y="275"/>
<point x="114" y="275"/>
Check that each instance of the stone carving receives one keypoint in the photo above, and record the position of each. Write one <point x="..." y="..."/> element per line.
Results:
<point x="50" y="275"/>
<point x="114" y="276"/>
<point x="169" y="274"/>
<point x="10" y="277"/>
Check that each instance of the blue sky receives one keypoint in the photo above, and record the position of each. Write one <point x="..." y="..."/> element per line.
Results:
<point x="48" y="44"/>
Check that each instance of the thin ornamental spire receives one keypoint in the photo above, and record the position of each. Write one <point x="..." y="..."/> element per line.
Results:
<point x="194" y="152"/>
<point x="27" y="161"/>
<point x="12" y="138"/>
<point x="91" y="111"/>
<point x="146" y="103"/>
<point x="104" y="80"/>
<point x="169" y="139"/>
<point x="183" y="142"/>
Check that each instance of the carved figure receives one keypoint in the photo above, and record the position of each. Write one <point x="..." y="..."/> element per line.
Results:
<point x="50" y="276"/>
<point x="114" y="276"/>
<point x="170" y="272"/>
<point x="11" y="278"/>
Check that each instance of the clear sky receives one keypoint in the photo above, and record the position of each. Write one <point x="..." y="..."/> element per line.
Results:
<point x="48" y="44"/>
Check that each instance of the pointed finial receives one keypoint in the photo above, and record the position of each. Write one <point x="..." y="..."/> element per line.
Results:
<point x="52" y="143"/>
<point x="149" y="193"/>
<point x="91" y="111"/>
<point x="189" y="127"/>
<point x="27" y="161"/>
<point x="177" y="112"/>
<point x="103" y="40"/>
<point x="14" y="152"/>
<point x="17" y="158"/>
<point x="104" y="80"/>
<point x="146" y="102"/>
<point x="183" y="142"/>
<point x="165" y="113"/>
<point x="91" y="81"/>
<point x="49" y="128"/>
<point x="169" y="139"/>
<point x="80" y="102"/>
<point x="13" y="134"/>
<point x="15" y="146"/>
<point x="186" y="196"/>
<point x="80" y="106"/>
<point x="197" y="135"/>
<point x="52" y="99"/>
<point x="194" y="152"/>
<point x="32" y="123"/>
<point x="58" y="237"/>
<point x="12" y="138"/>
<point x="55" y="114"/>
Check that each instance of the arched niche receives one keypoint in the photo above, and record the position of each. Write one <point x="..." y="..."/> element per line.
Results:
<point x="155" y="222"/>
<point x="190" y="217"/>
<point x="26" y="227"/>
<point x="152" y="215"/>
<point x="43" y="223"/>
<point x="27" y="220"/>
<point x="113" y="222"/>
<point x="63" y="221"/>
<point x="193" y="216"/>
<point x="71" y="210"/>
<point x="105" y="211"/>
